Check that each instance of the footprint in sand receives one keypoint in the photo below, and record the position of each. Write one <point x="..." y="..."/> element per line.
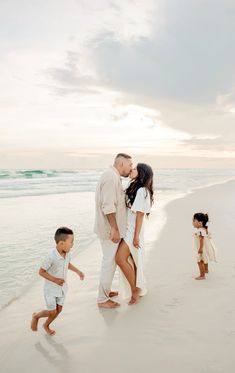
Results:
<point x="174" y="303"/>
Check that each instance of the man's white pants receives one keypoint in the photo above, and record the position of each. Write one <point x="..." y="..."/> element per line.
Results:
<point x="108" y="268"/>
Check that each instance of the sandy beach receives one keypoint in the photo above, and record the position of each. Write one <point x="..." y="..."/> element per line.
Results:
<point x="182" y="325"/>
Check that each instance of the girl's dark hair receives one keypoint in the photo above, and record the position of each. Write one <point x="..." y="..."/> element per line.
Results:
<point x="144" y="179"/>
<point x="203" y="218"/>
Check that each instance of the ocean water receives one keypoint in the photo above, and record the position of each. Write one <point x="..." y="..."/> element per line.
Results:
<point x="34" y="203"/>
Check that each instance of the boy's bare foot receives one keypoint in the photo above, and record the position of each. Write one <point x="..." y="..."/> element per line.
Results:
<point x="113" y="294"/>
<point x="109" y="304"/>
<point x="135" y="297"/>
<point x="200" y="278"/>
<point x="48" y="330"/>
<point x="34" y="322"/>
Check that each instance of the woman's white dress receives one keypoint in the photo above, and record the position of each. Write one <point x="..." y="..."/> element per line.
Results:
<point x="142" y="204"/>
<point x="209" y="250"/>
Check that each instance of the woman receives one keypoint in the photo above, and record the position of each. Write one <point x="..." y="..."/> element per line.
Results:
<point x="130" y="253"/>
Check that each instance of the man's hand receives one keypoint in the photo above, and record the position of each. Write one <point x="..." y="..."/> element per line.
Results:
<point x="136" y="242"/>
<point x="59" y="281"/>
<point x="115" y="235"/>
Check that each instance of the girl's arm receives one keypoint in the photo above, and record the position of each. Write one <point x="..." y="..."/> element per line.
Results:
<point x="138" y="225"/>
<point x="201" y="242"/>
<point x="76" y="270"/>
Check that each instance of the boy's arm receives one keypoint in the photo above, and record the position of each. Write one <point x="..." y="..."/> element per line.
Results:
<point x="47" y="276"/>
<point x="76" y="270"/>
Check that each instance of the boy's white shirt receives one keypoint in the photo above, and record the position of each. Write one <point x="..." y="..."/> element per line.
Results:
<point x="56" y="266"/>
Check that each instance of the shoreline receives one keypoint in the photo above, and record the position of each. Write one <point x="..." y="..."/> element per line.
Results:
<point x="186" y="320"/>
<point x="94" y="241"/>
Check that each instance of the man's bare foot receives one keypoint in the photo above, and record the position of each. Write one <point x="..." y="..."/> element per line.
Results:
<point x="200" y="278"/>
<point x="135" y="297"/>
<point x="108" y="304"/>
<point x="113" y="294"/>
<point x="48" y="330"/>
<point x="34" y="322"/>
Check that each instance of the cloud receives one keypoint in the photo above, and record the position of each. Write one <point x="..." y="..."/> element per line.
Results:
<point x="192" y="58"/>
<point x="219" y="144"/>
<point x="72" y="77"/>
<point x="159" y="74"/>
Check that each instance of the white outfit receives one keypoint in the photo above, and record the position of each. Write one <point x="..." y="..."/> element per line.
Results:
<point x="108" y="268"/>
<point x="142" y="204"/>
<point x="110" y="198"/>
<point x="56" y="265"/>
<point x="209" y="251"/>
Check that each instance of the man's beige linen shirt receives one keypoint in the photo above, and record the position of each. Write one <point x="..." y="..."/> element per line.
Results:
<point x="110" y="198"/>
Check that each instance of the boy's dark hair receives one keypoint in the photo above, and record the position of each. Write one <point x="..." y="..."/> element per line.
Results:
<point x="203" y="218"/>
<point x="62" y="234"/>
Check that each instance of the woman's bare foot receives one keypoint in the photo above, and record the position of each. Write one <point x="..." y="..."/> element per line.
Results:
<point x="34" y="322"/>
<point x="109" y="304"/>
<point x="200" y="278"/>
<point x="113" y="294"/>
<point x="48" y="330"/>
<point x="135" y="297"/>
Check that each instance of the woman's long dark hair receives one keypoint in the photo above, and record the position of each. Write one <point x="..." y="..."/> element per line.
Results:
<point x="144" y="179"/>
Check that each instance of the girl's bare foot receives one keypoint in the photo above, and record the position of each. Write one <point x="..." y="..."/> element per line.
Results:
<point x="48" y="330"/>
<point x="34" y="322"/>
<point x="200" y="278"/>
<point x="135" y="297"/>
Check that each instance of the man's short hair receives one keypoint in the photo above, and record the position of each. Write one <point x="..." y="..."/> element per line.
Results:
<point x="62" y="234"/>
<point x="122" y="155"/>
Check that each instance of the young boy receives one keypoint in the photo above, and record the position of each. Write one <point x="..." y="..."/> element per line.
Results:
<point x="54" y="269"/>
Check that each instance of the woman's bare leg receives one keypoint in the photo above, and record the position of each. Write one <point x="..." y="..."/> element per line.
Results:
<point x="123" y="253"/>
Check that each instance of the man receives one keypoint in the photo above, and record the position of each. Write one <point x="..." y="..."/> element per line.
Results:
<point x="110" y="223"/>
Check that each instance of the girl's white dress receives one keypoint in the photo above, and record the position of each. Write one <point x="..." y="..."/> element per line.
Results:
<point x="141" y="203"/>
<point x="209" y="250"/>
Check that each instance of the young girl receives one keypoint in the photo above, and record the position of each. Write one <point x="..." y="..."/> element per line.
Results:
<point x="130" y="254"/>
<point x="204" y="246"/>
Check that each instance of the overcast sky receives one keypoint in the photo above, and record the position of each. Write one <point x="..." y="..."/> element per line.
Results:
<point x="83" y="79"/>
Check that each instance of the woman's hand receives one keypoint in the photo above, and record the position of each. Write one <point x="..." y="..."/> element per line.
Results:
<point x="136" y="242"/>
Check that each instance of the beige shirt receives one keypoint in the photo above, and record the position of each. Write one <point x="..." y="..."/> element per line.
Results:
<point x="110" y="198"/>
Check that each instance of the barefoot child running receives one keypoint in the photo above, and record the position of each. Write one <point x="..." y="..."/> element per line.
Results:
<point x="204" y="246"/>
<point x="54" y="269"/>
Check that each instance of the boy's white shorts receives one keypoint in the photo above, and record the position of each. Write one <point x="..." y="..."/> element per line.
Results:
<point x="52" y="301"/>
